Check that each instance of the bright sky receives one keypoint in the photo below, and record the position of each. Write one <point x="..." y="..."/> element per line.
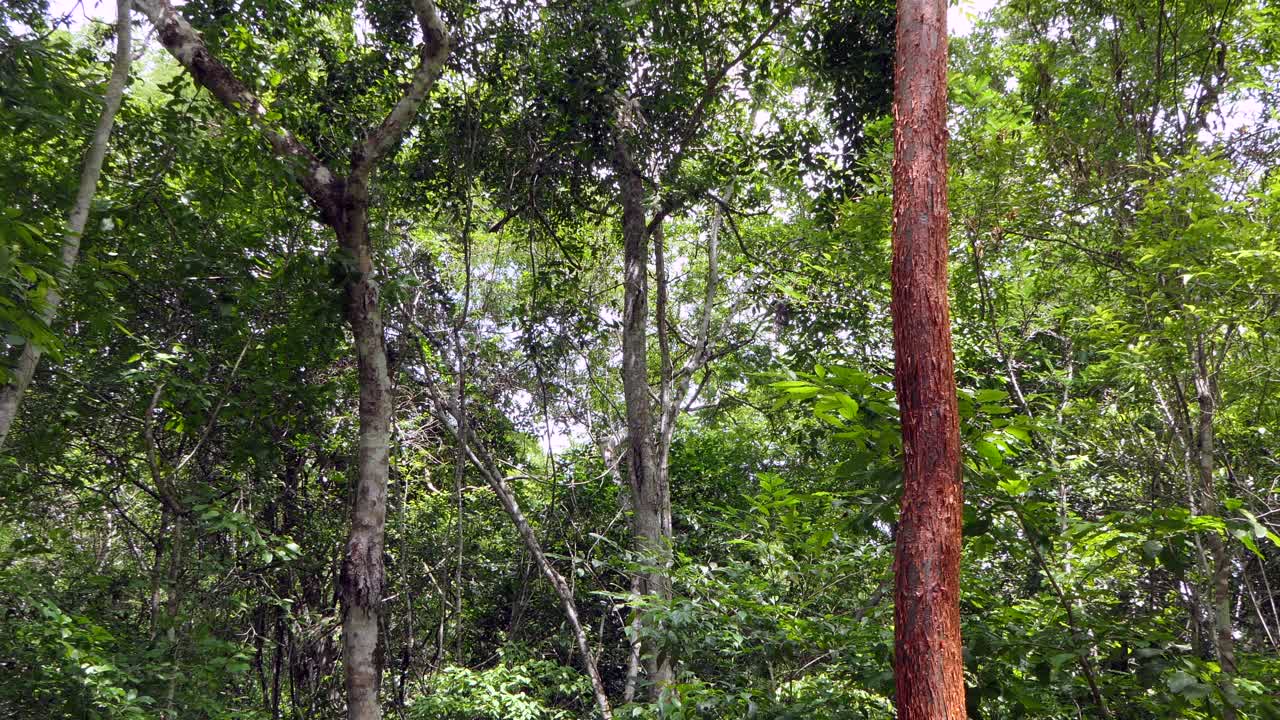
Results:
<point x="82" y="11"/>
<point x="960" y="15"/>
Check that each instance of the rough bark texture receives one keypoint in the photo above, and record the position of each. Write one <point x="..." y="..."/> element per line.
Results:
<point x="927" y="659"/>
<point x="188" y="48"/>
<point x="11" y="394"/>
<point x="650" y="496"/>
<point x="344" y="205"/>
<point x="363" y="575"/>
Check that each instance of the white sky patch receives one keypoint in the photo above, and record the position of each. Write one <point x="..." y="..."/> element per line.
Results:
<point x="962" y="15"/>
<point x="81" y="12"/>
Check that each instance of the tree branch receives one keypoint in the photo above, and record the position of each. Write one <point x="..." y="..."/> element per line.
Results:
<point x="213" y="416"/>
<point x="435" y="48"/>
<point x="189" y="49"/>
<point x="483" y="461"/>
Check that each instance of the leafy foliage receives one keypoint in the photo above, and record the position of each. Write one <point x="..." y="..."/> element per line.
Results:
<point x="176" y="492"/>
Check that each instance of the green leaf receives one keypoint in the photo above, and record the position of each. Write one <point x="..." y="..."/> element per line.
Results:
<point x="989" y="452"/>
<point x="1246" y="539"/>
<point x="1179" y="681"/>
<point x="1015" y="486"/>
<point x="1019" y="433"/>
<point x="848" y="406"/>
<point x="990" y="396"/>
<point x="1061" y="659"/>
<point x="820" y="539"/>
<point x="1151" y="549"/>
<point x="830" y="419"/>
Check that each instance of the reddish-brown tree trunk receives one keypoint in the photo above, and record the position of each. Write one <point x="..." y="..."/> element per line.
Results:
<point x="927" y="662"/>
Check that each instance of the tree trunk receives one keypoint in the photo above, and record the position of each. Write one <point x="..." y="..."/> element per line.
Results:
<point x="1219" y="560"/>
<point x="363" y="576"/>
<point x="172" y="608"/>
<point x="344" y="205"/>
<point x="650" y="496"/>
<point x="927" y="659"/>
<point x="11" y="394"/>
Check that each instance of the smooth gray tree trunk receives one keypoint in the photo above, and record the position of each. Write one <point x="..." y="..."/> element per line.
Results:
<point x="1219" y="557"/>
<point x="11" y="394"/>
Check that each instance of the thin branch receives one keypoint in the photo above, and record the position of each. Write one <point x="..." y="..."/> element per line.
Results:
<point x="149" y="437"/>
<point x="483" y="461"/>
<point x="699" y="356"/>
<point x="213" y="416"/>
<point x="11" y="393"/>
<point x="1064" y="600"/>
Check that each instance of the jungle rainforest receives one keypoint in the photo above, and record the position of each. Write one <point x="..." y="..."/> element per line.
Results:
<point x="649" y="359"/>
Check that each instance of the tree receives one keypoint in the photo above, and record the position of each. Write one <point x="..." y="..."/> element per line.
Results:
<point x="343" y="203"/>
<point x="648" y="429"/>
<point x="927" y="658"/>
<point x="11" y="393"/>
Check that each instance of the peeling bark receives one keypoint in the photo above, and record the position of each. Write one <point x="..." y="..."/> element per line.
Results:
<point x="927" y="655"/>
<point x="363" y="576"/>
